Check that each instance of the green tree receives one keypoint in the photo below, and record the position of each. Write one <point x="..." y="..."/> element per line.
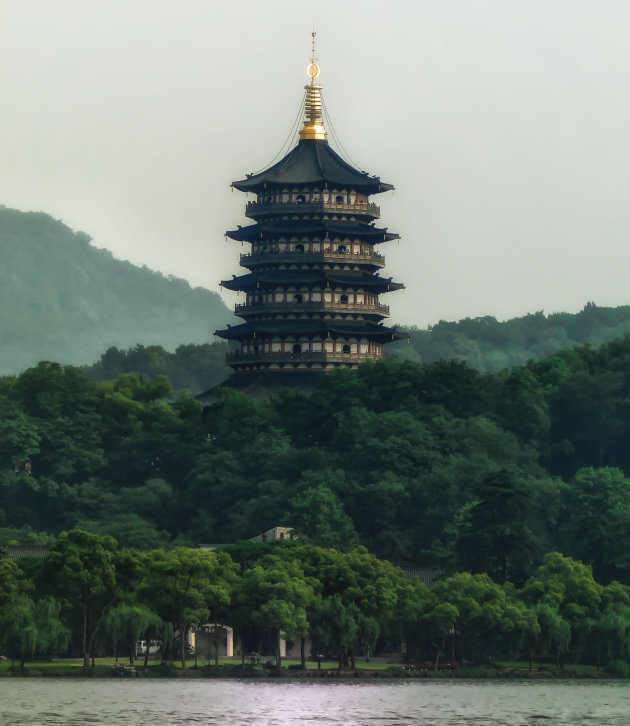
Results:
<point x="555" y="632"/>
<point x="10" y="579"/>
<point x="186" y="587"/>
<point x="496" y="538"/>
<point x="27" y="627"/>
<point x="567" y="587"/>
<point x="80" y="570"/>
<point x="336" y="629"/>
<point x="596" y="522"/>
<point x="277" y="595"/>
<point x="523" y="406"/>
<point x="317" y="514"/>
<point x="126" y="624"/>
<point x="484" y="612"/>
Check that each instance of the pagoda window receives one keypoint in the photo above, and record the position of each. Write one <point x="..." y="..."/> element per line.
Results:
<point x="339" y="199"/>
<point x="298" y="297"/>
<point x="299" y="248"/>
<point x="352" y="198"/>
<point x="343" y="299"/>
<point x="316" y="296"/>
<point x="345" y="348"/>
<point x="300" y="199"/>
<point x="342" y="249"/>
<point x="316" y="346"/>
<point x="297" y="348"/>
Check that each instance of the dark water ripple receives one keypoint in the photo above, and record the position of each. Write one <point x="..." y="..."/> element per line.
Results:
<point x="247" y="703"/>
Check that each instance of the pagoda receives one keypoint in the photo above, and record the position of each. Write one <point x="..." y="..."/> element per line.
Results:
<point x="312" y="287"/>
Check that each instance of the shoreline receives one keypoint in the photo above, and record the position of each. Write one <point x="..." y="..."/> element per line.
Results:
<point x="220" y="672"/>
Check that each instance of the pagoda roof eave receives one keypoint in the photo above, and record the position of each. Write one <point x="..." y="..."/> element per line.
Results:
<point x="321" y="227"/>
<point x="296" y="278"/>
<point x="281" y="328"/>
<point x="312" y="163"/>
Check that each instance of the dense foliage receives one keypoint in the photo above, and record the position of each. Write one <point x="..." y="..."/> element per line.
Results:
<point x="490" y="345"/>
<point x="482" y="343"/>
<point x="98" y="599"/>
<point x="431" y="464"/>
<point x="193" y="367"/>
<point x="63" y="299"/>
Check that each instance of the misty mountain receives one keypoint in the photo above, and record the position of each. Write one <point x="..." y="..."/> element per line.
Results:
<point x="63" y="300"/>
<point x="488" y="344"/>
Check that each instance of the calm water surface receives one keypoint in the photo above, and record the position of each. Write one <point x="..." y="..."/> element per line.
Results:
<point x="231" y="703"/>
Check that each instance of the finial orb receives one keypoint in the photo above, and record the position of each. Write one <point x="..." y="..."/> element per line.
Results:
<point x="313" y="70"/>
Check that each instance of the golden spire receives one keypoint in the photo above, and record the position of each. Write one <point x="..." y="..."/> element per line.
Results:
<point x="313" y="125"/>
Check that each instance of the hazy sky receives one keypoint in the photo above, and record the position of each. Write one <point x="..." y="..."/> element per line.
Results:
<point x="503" y="124"/>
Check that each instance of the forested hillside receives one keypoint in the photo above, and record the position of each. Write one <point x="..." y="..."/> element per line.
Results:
<point x="62" y="299"/>
<point x="193" y="367"/>
<point x="489" y="345"/>
<point x="421" y="463"/>
<point x="482" y="343"/>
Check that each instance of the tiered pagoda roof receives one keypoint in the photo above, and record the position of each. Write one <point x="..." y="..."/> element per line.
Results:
<point x="310" y="164"/>
<point x="311" y="289"/>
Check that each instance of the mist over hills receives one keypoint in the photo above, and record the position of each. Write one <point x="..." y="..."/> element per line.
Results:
<point x="487" y="344"/>
<point x="61" y="299"/>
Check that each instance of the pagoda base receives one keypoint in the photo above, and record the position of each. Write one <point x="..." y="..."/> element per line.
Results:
<point x="265" y="383"/>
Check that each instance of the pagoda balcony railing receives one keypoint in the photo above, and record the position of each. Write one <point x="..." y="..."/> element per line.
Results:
<point x="310" y="306"/>
<point x="235" y="359"/>
<point x="255" y="209"/>
<point x="291" y="258"/>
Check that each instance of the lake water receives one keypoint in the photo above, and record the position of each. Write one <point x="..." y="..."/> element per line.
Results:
<point x="234" y="703"/>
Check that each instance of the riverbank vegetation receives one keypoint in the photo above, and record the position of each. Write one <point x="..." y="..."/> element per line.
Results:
<point x="89" y="595"/>
<point x="478" y="478"/>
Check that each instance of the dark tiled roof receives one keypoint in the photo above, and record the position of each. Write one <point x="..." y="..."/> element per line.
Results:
<point x="296" y="278"/>
<point x="310" y="163"/>
<point x="310" y="228"/>
<point x="363" y="328"/>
